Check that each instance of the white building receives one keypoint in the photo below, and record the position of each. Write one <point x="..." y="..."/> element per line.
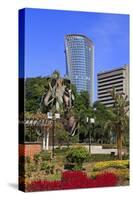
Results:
<point x="117" y="78"/>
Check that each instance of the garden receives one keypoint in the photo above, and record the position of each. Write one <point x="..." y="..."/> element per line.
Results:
<point x="68" y="127"/>
<point x="73" y="168"/>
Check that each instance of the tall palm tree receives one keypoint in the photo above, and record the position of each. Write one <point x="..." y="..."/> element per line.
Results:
<point x="119" y="119"/>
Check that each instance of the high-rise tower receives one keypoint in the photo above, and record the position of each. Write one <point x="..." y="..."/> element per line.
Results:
<point x="79" y="52"/>
<point x="118" y="79"/>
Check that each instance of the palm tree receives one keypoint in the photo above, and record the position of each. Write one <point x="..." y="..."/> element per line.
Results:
<point x="119" y="119"/>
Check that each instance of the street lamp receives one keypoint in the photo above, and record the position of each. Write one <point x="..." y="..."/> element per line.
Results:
<point x="53" y="118"/>
<point x="92" y="122"/>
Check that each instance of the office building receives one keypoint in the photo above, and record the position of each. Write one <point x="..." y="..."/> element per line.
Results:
<point x="79" y="51"/>
<point x="117" y="78"/>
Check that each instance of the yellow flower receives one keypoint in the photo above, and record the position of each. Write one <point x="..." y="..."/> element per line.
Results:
<point x="115" y="164"/>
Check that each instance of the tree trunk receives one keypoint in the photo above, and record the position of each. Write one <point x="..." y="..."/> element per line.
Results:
<point x="47" y="141"/>
<point x="119" y="145"/>
<point x="44" y="141"/>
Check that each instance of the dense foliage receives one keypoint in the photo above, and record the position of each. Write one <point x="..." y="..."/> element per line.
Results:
<point x="122" y="164"/>
<point x="40" y="162"/>
<point x="35" y="87"/>
<point x="77" y="155"/>
<point x="111" y="125"/>
<point x="119" y="122"/>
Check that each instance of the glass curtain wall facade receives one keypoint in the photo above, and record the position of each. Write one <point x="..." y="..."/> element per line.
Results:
<point x="79" y="52"/>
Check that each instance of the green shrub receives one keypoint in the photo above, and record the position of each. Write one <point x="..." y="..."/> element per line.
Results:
<point x="77" y="167"/>
<point x="47" y="167"/>
<point x="29" y="168"/>
<point x="43" y="166"/>
<point x="122" y="164"/>
<point x="33" y="167"/>
<point x="37" y="158"/>
<point x="61" y="151"/>
<point x="77" y="155"/>
<point x="45" y="155"/>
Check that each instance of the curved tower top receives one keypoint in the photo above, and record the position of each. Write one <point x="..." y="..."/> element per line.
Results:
<point x="79" y="51"/>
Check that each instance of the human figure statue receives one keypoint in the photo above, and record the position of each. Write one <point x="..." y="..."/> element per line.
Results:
<point x="58" y="95"/>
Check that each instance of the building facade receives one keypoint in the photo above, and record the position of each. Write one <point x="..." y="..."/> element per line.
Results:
<point x="79" y="51"/>
<point x="117" y="78"/>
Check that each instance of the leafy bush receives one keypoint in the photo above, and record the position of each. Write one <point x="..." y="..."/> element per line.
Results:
<point x="29" y="168"/>
<point x="43" y="166"/>
<point x="61" y="151"/>
<point x="41" y="161"/>
<point x="36" y="158"/>
<point x="47" y="167"/>
<point x="77" y="155"/>
<point x="62" y="136"/>
<point x="73" y="180"/>
<point x="45" y="155"/>
<point x="107" y="164"/>
<point x="42" y="156"/>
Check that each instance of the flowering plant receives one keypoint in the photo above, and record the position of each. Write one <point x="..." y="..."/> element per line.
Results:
<point x="115" y="163"/>
<point x="74" y="180"/>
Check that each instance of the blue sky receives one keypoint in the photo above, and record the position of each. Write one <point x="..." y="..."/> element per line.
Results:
<point x="44" y="39"/>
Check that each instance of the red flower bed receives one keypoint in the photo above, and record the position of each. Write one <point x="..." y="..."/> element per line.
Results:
<point x="44" y="185"/>
<point x="74" y="180"/>
<point x="68" y="176"/>
<point x="106" y="179"/>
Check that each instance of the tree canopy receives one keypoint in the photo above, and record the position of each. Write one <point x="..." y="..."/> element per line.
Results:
<point x="34" y="87"/>
<point x="81" y="109"/>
